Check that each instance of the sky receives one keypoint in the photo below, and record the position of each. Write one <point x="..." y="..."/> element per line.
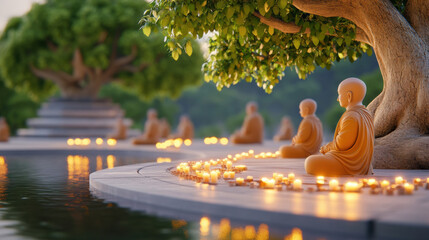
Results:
<point x="12" y="8"/>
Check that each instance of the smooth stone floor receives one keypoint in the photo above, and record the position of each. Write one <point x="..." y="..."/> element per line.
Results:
<point x="152" y="188"/>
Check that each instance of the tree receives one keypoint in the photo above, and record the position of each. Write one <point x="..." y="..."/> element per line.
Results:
<point x="258" y="39"/>
<point x="81" y="45"/>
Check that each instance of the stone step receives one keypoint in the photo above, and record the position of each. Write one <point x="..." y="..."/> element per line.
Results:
<point x="81" y="105"/>
<point x="80" y="113"/>
<point x="75" y="123"/>
<point x="67" y="132"/>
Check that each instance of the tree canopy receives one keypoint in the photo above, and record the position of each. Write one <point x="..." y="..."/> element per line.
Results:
<point x="81" y="45"/>
<point x="249" y="41"/>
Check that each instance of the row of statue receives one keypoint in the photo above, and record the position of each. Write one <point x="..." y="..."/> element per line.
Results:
<point x="349" y="153"/>
<point x="4" y="130"/>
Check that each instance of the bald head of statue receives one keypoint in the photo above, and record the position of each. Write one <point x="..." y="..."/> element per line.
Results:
<point x="251" y="108"/>
<point x="152" y="114"/>
<point x="307" y="107"/>
<point x="351" y="92"/>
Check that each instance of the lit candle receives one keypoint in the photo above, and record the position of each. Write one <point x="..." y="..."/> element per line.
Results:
<point x="291" y="177"/>
<point x="198" y="165"/>
<point x="229" y="165"/>
<point x="297" y="184"/>
<point x="351" y="187"/>
<point x="187" y="142"/>
<point x="417" y="181"/>
<point x="320" y="180"/>
<point x="241" y="167"/>
<point x="372" y="183"/>
<point x="270" y="183"/>
<point x="206" y="177"/>
<point x="224" y="141"/>
<point x="207" y="166"/>
<point x="251" y="152"/>
<point x="409" y="188"/>
<point x="232" y="174"/>
<point x="385" y="184"/>
<point x="77" y="141"/>
<point x="249" y="178"/>
<point x="186" y="170"/>
<point x="213" y="177"/>
<point x="427" y="180"/>
<point x="207" y="141"/>
<point x="285" y="180"/>
<point x="70" y="142"/>
<point x="86" y="141"/>
<point x="239" y="181"/>
<point x="334" y="185"/>
<point x="399" y="180"/>
<point x="99" y="141"/>
<point x="275" y="175"/>
<point x="279" y="178"/>
<point x="111" y="142"/>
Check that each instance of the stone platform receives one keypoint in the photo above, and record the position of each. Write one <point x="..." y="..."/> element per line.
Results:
<point x="152" y="188"/>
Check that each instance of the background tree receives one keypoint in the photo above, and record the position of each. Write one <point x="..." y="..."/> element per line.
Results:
<point x="81" y="45"/>
<point x="258" y="39"/>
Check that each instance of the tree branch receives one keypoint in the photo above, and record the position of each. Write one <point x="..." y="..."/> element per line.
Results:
<point x="291" y="27"/>
<point x="79" y="68"/>
<point x="116" y="65"/>
<point x="417" y="14"/>
<point x="56" y="77"/>
<point x="324" y="8"/>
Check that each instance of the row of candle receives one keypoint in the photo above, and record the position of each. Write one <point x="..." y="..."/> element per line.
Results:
<point x="215" y="140"/>
<point x="177" y="143"/>
<point x="87" y="141"/>
<point x="268" y="155"/>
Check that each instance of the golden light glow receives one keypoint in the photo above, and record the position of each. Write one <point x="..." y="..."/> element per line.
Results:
<point x="86" y="141"/>
<point x="205" y="226"/>
<point x="249" y="232"/>
<point x="176" y="224"/>
<point x="3" y="178"/>
<point x="163" y="160"/>
<point x="111" y="161"/>
<point x="206" y="140"/>
<point x="353" y="209"/>
<point x="409" y="188"/>
<point x="99" y="141"/>
<point x="224" y="228"/>
<point x="188" y="142"/>
<point x="385" y="183"/>
<point x="296" y="234"/>
<point x="177" y="142"/>
<point x="224" y="141"/>
<point x="263" y="232"/>
<point x="334" y="185"/>
<point x="111" y="142"/>
<point x="78" y="167"/>
<point x="77" y="141"/>
<point x="70" y="141"/>
<point x="399" y="180"/>
<point x="2" y="162"/>
<point x="351" y="187"/>
<point x="99" y="163"/>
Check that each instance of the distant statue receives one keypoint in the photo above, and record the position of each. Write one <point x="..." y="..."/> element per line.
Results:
<point x="120" y="131"/>
<point x="351" y="151"/>
<point x="310" y="133"/>
<point x="252" y="130"/>
<point x="185" y="129"/>
<point x="286" y="130"/>
<point x="151" y="129"/>
<point x="4" y="130"/>
<point x="164" y="128"/>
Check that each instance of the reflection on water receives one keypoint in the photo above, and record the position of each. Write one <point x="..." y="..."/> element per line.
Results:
<point x="3" y="178"/>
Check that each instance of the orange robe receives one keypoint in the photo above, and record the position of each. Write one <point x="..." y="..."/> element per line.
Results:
<point x="310" y="134"/>
<point x="353" y="143"/>
<point x="252" y="130"/>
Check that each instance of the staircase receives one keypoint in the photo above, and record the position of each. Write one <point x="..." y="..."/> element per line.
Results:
<point x="75" y="118"/>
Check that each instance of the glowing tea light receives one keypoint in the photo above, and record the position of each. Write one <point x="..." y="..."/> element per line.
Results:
<point x="206" y="177"/>
<point x="285" y="180"/>
<point x="409" y="188"/>
<point x="207" y="166"/>
<point x="111" y="142"/>
<point x="226" y="174"/>
<point x="223" y="141"/>
<point x="197" y="165"/>
<point x="77" y="141"/>
<point x="320" y="180"/>
<point x="275" y="175"/>
<point x="279" y="178"/>
<point x="188" y="142"/>
<point x="232" y="174"/>
<point x="277" y="153"/>
<point x="241" y="167"/>
<point x="213" y="177"/>
<point x="334" y="185"/>
<point x="207" y="141"/>
<point x="291" y="177"/>
<point x="239" y="181"/>
<point x="177" y="142"/>
<point x="427" y="180"/>
<point x="186" y="170"/>
<point x="213" y="140"/>
<point x="372" y="182"/>
<point x="99" y="141"/>
<point x="385" y="184"/>
<point x="351" y="187"/>
<point x="251" y="153"/>
<point x="417" y="181"/>
<point x="70" y="142"/>
<point x="269" y="183"/>
<point x="249" y="178"/>
<point x="86" y="141"/>
<point x="399" y="180"/>
<point x="297" y="184"/>
<point x="229" y="165"/>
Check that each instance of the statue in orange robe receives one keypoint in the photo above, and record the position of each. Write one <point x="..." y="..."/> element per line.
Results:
<point x="4" y="130"/>
<point x="120" y="131"/>
<point x="285" y="131"/>
<point x="151" y="129"/>
<point x="164" y="128"/>
<point x="310" y="133"/>
<point x="252" y="130"/>
<point x="185" y="129"/>
<point x="350" y="153"/>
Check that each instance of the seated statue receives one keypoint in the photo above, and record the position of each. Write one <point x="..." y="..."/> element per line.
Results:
<point x="252" y="130"/>
<point x="4" y="130"/>
<point x="350" y="153"/>
<point x="151" y="129"/>
<point x="310" y="133"/>
<point x="185" y="129"/>
<point x="120" y="131"/>
<point x="164" y="128"/>
<point x="285" y="131"/>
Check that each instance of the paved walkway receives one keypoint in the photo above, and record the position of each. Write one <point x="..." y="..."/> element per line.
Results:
<point x="151" y="187"/>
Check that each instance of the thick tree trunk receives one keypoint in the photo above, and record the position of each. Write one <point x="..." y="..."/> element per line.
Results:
<point x="401" y="111"/>
<point x="76" y="91"/>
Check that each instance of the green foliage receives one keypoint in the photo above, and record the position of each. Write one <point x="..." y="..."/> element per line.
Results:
<point x="245" y="48"/>
<point x="47" y="36"/>
<point x="16" y="107"/>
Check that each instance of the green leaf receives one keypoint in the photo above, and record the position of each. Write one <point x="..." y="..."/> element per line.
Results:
<point x="188" y="48"/>
<point x="242" y="31"/>
<point x="340" y="41"/>
<point x="315" y="40"/>
<point x="175" y="55"/>
<point x="296" y="43"/>
<point x="246" y="9"/>
<point x="282" y="4"/>
<point x="270" y="30"/>
<point x="229" y="12"/>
